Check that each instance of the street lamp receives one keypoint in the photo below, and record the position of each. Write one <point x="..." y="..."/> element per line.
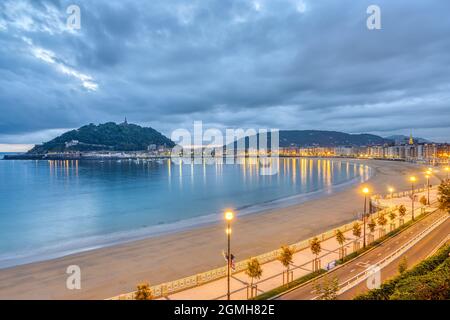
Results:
<point x="412" y="179"/>
<point x="428" y="186"/>
<point x="391" y="191"/>
<point x="229" y="215"/>
<point x="366" y="192"/>
<point x="447" y="169"/>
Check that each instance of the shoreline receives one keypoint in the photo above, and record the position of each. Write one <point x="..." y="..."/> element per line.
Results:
<point x="125" y="237"/>
<point x="117" y="269"/>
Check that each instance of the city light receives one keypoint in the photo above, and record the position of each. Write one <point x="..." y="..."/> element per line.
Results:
<point x="365" y="190"/>
<point x="229" y="215"/>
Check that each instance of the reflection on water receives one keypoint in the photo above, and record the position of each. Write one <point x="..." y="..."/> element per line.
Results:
<point x="47" y="203"/>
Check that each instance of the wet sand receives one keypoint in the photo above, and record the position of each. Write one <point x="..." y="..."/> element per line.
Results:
<point x="114" y="270"/>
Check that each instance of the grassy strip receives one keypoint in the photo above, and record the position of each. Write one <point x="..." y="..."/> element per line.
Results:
<point x="272" y="293"/>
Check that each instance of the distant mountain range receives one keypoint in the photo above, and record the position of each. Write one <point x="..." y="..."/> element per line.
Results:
<point x="304" y="138"/>
<point x="320" y="138"/>
<point x="131" y="137"/>
<point x="107" y="136"/>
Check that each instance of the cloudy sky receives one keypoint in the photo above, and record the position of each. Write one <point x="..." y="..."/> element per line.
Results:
<point x="288" y="64"/>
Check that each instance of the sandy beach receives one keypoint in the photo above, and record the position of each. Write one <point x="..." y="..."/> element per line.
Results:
<point x="114" y="270"/>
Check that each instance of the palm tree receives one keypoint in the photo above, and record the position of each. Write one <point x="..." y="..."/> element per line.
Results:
<point x="316" y="248"/>
<point x="402" y="211"/>
<point x="143" y="292"/>
<point x="423" y="201"/>
<point x="382" y="222"/>
<point x="372" y="225"/>
<point x="286" y="257"/>
<point x="340" y="238"/>
<point x="392" y="217"/>
<point x="356" y="229"/>
<point x="254" y="270"/>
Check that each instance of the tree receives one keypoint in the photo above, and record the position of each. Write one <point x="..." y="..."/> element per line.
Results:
<point x="423" y="200"/>
<point x="316" y="248"/>
<point x="382" y="221"/>
<point x="372" y="225"/>
<point x="286" y="257"/>
<point x="402" y="211"/>
<point x="403" y="265"/>
<point x="444" y="196"/>
<point x="143" y="292"/>
<point x="254" y="270"/>
<point x="392" y="216"/>
<point x="340" y="238"/>
<point x="356" y="229"/>
<point x="328" y="289"/>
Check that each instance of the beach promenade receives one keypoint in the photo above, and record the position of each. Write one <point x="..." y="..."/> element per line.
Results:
<point x="112" y="271"/>
<point x="302" y="265"/>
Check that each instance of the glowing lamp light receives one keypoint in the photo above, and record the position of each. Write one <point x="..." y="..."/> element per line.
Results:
<point x="413" y="179"/>
<point x="229" y="215"/>
<point x="365" y="190"/>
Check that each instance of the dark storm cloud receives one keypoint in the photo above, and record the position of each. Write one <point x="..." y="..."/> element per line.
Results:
<point x="288" y="64"/>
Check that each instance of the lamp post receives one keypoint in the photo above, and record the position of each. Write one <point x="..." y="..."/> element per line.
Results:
<point x="428" y="186"/>
<point x="229" y="215"/>
<point x="365" y="192"/>
<point x="412" y="179"/>
<point x="447" y="169"/>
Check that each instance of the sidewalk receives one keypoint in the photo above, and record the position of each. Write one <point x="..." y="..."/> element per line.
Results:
<point x="302" y="263"/>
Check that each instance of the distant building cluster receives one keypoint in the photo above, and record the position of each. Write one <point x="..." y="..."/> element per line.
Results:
<point x="433" y="153"/>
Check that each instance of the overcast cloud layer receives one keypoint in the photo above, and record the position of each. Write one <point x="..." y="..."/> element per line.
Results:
<point x="292" y="64"/>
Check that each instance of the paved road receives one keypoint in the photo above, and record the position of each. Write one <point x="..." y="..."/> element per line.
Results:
<point x="418" y="252"/>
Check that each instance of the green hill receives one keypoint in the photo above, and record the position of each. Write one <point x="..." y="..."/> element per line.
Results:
<point x="310" y="138"/>
<point x="108" y="136"/>
<point x="305" y="138"/>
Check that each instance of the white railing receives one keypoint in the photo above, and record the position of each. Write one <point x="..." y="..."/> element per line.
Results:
<point x="168" y="288"/>
<point x="352" y="282"/>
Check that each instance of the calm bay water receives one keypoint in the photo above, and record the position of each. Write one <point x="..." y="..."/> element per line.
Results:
<point x="52" y="208"/>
